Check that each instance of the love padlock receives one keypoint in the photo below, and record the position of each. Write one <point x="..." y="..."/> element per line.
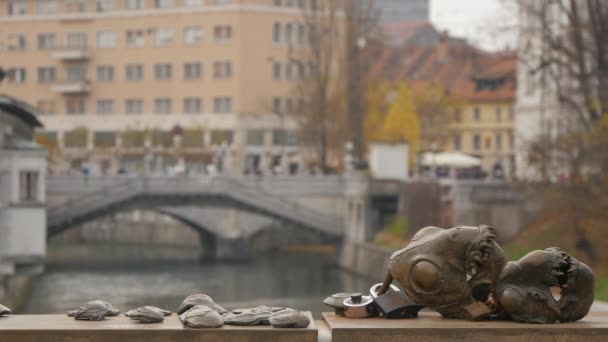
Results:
<point x="394" y="303"/>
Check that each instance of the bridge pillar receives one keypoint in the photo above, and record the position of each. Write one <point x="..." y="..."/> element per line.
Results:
<point x="356" y="218"/>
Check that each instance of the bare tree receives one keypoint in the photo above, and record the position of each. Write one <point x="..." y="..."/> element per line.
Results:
<point x="317" y="63"/>
<point x="570" y="60"/>
<point x="360" y="22"/>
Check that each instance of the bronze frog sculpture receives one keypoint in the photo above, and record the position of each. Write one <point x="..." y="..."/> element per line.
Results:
<point x="452" y="271"/>
<point x="524" y="292"/>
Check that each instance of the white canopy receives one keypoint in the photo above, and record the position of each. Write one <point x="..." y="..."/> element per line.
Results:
<point x="453" y="159"/>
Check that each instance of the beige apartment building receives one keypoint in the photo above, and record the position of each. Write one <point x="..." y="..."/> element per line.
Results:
<point x="148" y="84"/>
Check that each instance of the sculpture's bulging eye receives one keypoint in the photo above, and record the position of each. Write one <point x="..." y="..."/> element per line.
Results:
<point x="425" y="276"/>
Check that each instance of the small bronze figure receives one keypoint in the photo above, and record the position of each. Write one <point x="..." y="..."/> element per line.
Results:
<point x="523" y="292"/>
<point x="452" y="271"/>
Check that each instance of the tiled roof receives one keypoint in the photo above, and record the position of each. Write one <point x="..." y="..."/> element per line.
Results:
<point x="451" y="63"/>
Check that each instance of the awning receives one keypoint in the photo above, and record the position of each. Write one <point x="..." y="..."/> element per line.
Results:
<point x="452" y="159"/>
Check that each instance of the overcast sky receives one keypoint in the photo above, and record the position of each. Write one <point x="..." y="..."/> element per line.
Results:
<point x="487" y="23"/>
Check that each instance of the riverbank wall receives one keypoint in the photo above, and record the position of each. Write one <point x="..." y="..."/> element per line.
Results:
<point x="15" y="288"/>
<point x="365" y="259"/>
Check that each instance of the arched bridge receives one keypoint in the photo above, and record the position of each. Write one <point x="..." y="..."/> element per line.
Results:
<point x="101" y="198"/>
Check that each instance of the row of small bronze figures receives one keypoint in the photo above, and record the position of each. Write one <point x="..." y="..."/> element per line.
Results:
<point x="462" y="273"/>
<point x="196" y="311"/>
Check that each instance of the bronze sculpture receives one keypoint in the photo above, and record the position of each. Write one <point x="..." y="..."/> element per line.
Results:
<point x="449" y="270"/>
<point x="524" y="292"/>
<point x="462" y="273"/>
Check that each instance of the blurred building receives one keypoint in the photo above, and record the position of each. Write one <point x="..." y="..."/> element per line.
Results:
<point x="140" y="84"/>
<point x="403" y="10"/>
<point x="22" y="189"/>
<point x="482" y="85"/>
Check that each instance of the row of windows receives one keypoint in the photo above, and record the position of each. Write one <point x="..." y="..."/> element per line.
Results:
<point x="134" y="38"/>
<point x="133" y="72"/>
<point x="190" y="138"/>
<point x="161" y="105"/>
<point x="290" y="33"/>
<point x="476" y="142"/>
<point x="302" y="4"/>
<point x="20" y="7"/>
<point x="498" y="114"/>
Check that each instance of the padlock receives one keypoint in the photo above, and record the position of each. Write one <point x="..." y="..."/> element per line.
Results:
<point x="394" y="303"/>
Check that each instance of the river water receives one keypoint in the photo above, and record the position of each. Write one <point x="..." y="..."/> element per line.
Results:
<point x="296" y="280"/>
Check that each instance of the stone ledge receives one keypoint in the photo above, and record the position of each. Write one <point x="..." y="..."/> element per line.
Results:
<point x="60" y="328"/>
<point x="431" y="327"/>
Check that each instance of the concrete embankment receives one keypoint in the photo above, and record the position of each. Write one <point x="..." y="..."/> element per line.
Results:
<point x="16" y="288"/>
<point x="365" y="259"/>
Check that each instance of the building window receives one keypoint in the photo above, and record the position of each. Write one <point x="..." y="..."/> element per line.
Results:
<point x="457" y="142"/>
<point x="222" y="69"/>
<point x="77" y="40"/>
<point x="163" y="3"/>
<point x="45" y="107"/>
<point x="193" y="105"/>
<point x="134" y="106"/>
<point x="76" y="6"/>
<point x="47" y="41"/>
<point x="28" y="186"/>
<point x="281" y="137"/>
<point x="277" y="105"/>
<point x="17" y="42"/>
<point x="105" y="106"/>
<point x="134" y="72"/>
<point x="163" y="105"/>
<point x="47" y="6"/>
<point x="222" y="33"/>
<point x="476" y="114"/>
<point x="104" y="139"/>
<point x="511" y="141"/>
<point x="75" y="106"/>
<point x="222" y="137"/>
<point x="163" y="36"/>
<point x="498" y="141"/>
<point x="193" y="71"/>
<point x="105" y="73"/>
<point x="193" y="35"/>
<point x="476" y="142"/>
<point x="135" y="38"/>
<point x="222" y="104"/>
<point x="302" y="36"/>
<point x="193" y="3"/>
<point x="277" y="32"/>
<point x="255" y="137"/>
<point x="76" y="72"/>
<point x="511" y="114"/>
<point x="289" y="33"/>
<point x="277" y="3"/>
<point x="290" y="71"/>
<point x="277" y="71"/>
<point x="16" y="75"/>
<point x="221" y="2"/>
<point x="134" y="4"/>
<point x="105" y="5"/>
<point x="163" y="71"/>
<point x="456" y="114"/>
<point x="17" y="7"/>
<point x="106" y="39"/>
<point x="498" y="114"/>
<point x="46" y="74"/>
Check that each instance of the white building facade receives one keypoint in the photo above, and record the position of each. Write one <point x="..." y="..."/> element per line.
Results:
<point x="22" y="189"/>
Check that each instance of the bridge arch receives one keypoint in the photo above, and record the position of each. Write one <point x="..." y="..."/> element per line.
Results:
<point x="157" y="193"/>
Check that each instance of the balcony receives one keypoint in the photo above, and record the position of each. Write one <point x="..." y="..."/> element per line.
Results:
<point x="72" y="54"/>
<point x="72" y="87"/>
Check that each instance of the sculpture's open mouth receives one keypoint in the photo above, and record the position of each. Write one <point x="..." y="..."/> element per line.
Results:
<point x="564" y="270"/>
